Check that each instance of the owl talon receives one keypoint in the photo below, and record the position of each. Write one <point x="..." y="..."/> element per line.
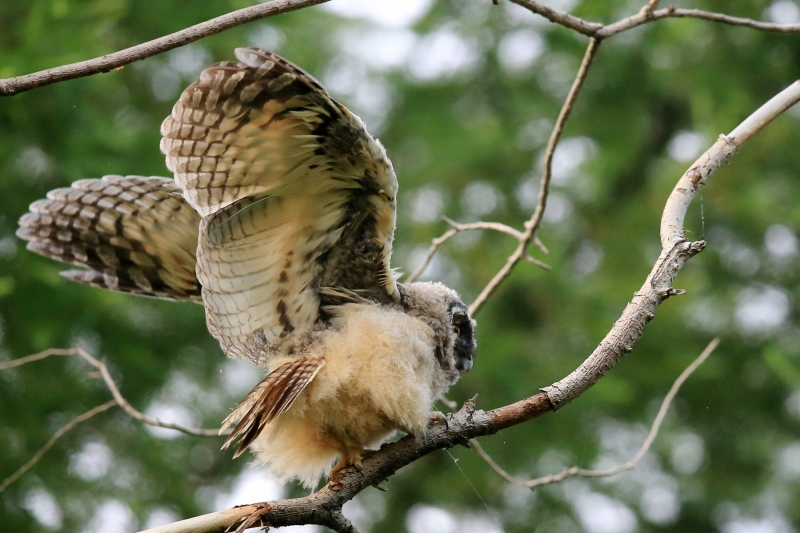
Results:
<point x="437" y="417"/>
<point x="336" y="473"/>
<point x="253" y="519"/>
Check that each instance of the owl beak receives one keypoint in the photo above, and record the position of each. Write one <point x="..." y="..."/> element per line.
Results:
<point x="464" y="364"/>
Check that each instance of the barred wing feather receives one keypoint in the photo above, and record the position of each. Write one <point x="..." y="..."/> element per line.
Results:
<point x="134" y="234"/>
<point x="296" y="198"/>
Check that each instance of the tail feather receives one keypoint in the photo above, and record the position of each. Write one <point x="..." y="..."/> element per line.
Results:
<point x="274" y="395"/>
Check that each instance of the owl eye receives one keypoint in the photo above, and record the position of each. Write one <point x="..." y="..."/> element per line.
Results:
<point x="457" y="330"/>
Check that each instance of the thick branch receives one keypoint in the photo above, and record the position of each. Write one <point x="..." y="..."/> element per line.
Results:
<point x="107" y="63"/>
<point x="468" y="423"/>
<point x="676" y="250"/>
<point x="317" y="508"/>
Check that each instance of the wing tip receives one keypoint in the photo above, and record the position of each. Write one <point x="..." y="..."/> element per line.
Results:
<point x="249" y="55"/>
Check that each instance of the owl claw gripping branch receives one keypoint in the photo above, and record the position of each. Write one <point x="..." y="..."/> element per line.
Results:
<point x="281" y="218"/>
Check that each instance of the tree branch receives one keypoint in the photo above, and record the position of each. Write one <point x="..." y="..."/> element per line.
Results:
<point x="629" y="465"/>
<point x="37" y="357"/>
<point x="676" y="250"/>
<point x="562" y="18"/>
<point x="647" y="14"/>
<point x="49" y="444"/>
<point x="107" y="63"/>
<point x="324" y="506"/>
<point x="469" y="423"/>
<point x="457" y="228"/>
<point x="674" y="12"/>
<point x="112" y="387"/>
<point x="532" y="225"/>
<point x="597" y="32"/>
<point x="118" y="400"/>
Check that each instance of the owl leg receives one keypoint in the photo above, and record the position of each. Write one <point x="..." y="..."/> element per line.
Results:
<point x="348" y="458"/>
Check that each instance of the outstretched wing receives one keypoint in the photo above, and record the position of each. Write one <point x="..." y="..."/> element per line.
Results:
<point x="297" y="199"/>
<point x="134" y="234"/>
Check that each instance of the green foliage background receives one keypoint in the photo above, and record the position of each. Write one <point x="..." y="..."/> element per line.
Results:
<point x="467" y="142"/>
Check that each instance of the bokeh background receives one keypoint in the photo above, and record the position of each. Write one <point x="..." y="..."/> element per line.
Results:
<point x="464" y="95"/>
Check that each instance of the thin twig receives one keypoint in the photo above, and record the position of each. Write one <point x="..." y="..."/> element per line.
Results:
<point x="646" y="14"/>
<point x="49" y="444"/>
<point x="650" y="7"/>
<point x="532" y="225"/>
<point x="541" y="264"/>
<point x="597" y="32"/>
<point x="117" y="60"/>
<point x="495" y="226"/>
<point x="112" y="387"/>
<point x="674" y="12"/>
<point x="539" y="244"/>
<point x="438" y="241"/>
<point x="36" y="357"/>
<point x="561" y="17"/>
<point x="456" y="228"/>
<point x="629" y="465"/>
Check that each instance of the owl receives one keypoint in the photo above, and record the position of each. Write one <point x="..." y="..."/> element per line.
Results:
<point x="280" y="220"/>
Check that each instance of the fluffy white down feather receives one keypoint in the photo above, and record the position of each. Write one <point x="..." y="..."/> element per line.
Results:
<point x="380" y="374"/>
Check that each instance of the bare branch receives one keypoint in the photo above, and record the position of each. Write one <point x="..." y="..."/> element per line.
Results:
<point x="561" y="17"/>
<point x="555" y="136"/>
<point x="112" y="387"/>
<point x="532" y="260"/>
<point x="629" y="465"/>
<point x="469" y="423"/>
<point x="722" y="151"/>
<point x="107" y="63"/>
<point x="539" y="244"/>
<point x="647" y="14"/>
<point x="651" y="6"/>
<point x="36" y="357"/>
<point x="597" y="32"/>
<point x="532" y="225"/>
<point x="49" y="444"/>
<point x="676" y="250"/>
<point x="673" y="12"/>
<point x="495" y="226"/>
<point x="457" y="228"/>
<point x="438" y="241"/>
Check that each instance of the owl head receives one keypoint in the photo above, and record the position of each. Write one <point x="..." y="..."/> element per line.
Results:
<point x="448" y="317"/>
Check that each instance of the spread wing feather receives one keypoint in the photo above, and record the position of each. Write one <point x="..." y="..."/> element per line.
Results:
<point x="135" y="234"/>
<point x="295" y="196"/>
